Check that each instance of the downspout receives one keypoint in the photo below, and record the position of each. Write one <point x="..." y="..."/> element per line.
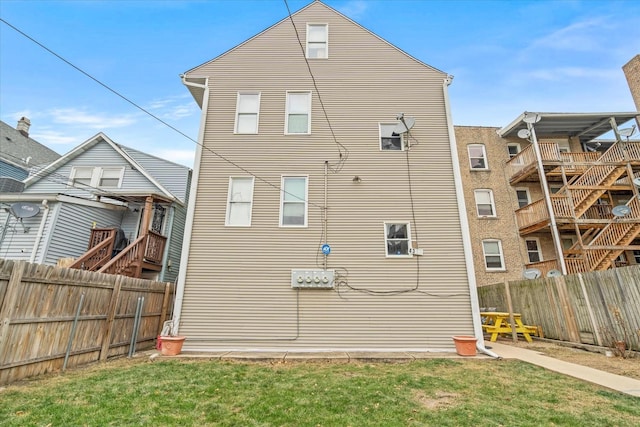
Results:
<point x="191" y="208"/>
<point x="34" y="251"/>
<point x="464" y="226"/>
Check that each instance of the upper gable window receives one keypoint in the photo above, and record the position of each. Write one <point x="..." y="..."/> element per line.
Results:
<point x="81" y="176"/>
<point x="298" y="116"/>
<point x="389" y="140"/>
<point x="317" y="41"/>
<point x="478" y="156"/>
<point x="96" y="177"/>
<point x="247" y="112"/>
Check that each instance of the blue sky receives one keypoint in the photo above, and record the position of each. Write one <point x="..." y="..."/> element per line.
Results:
<point x="506" y="57"/>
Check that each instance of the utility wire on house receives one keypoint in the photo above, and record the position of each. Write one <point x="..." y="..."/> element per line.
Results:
<point x="104" y="85"/>
<point x="342" y="156"/>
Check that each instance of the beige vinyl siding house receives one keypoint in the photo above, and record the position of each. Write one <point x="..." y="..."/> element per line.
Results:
<point x="235" y="287"/>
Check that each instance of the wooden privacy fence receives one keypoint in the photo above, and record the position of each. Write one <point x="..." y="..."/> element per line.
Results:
<point x="51" y="318"/>
<point x="598" y="308"/>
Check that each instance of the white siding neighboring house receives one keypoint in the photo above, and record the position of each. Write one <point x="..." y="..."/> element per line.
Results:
<point x="98" y="185"/>
<point x="274" y="182"/>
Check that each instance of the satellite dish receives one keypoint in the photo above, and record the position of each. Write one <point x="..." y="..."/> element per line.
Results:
<point x="24" y="210"/>
<point x="621" y="210"/>
<point x="554" y="273"/>
<point x="636" y="182"/>
<point x="524" y="133"/>
<point x="531" y="118"/>
<point x="627" y="131"/>
<point x="531" y="273"/>
<point x="401" y="128"/>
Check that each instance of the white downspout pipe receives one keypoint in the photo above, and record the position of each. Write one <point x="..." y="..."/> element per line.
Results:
<point x="43" y="221"/>
<point x="191" y="208"/>
<point x="464" y="226"/>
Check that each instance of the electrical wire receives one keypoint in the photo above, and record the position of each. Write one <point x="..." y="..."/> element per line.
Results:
<point x="342" y="156"/>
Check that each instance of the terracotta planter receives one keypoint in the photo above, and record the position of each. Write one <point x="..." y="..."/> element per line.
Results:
<point x="171" y="346"/>
<point x="465" y="345"/>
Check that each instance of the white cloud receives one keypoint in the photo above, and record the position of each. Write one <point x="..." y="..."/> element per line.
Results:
<point x="47" y="137"/>
<point x="184" y="157"/>
<point x="582" y="36"/>
<point x="562" y="73"/>
<point x="354" y="8"/>
<point x="173" y="107"/>
<point x="97" y="121"/>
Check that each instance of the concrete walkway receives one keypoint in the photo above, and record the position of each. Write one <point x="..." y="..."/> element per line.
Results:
<point x="615" y="382"/>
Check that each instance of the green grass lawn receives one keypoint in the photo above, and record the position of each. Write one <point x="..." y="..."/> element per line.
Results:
<point x="438" y="392"/>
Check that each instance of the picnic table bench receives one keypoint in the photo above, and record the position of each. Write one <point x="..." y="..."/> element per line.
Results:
<point x="496" y="322"/>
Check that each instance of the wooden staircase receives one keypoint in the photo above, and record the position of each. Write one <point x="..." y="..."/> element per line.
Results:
<point x="144" y="253"/>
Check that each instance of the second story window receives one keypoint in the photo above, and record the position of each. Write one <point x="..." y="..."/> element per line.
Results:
<point x="81" y="176"/>
<point x="493" y="258"/>
<point x="478" y="157"/>
<point x="389" y="140"/>
<point x="523" y="197"/>
<point x="96" y="177"/>
<point x="239" y="201"/>
<point x="247" y="112"/>
<point x="110" y="177"/>
<point x="298" y="116"/>
<point x="317" y="41"/>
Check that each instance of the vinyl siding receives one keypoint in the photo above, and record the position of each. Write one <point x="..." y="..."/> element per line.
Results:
<point x="238" y="293"/>
<point x="20" y="236"/>
<point x="11" y="171"/>
<point x="175" y="243"/>
<point x="102" y="155"/>
<point x="70" y="237"/>
<point x="172" y="176"/>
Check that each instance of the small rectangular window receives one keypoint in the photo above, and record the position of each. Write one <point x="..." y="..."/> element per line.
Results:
<point x="81" y="176"/>
<point x="298" y="115"/>
<point x="514" y="149"/>
<point x="478" y="156"/>
<point x="239" y="201"/>
<point x="247" y="112"/>
<point x="484" y="203"/>
<point x="317" y="41"/>
<point x="293" y="206"/>
<point x="533" y="250"/>
<point x="389" y="140"/>
<point x="110" y="177"/>
<point x="636" y="256"/>
<point x="397" y="239"/>
<point x="523" y="197"/>
<point x="493" y="258"/>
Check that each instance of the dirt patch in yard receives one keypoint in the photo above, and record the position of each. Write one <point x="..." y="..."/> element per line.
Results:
<point x="629" y="367"/>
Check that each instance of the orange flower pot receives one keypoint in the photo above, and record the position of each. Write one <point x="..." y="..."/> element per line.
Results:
<point x="171" y="346"/>
<point x="465" y="345"/>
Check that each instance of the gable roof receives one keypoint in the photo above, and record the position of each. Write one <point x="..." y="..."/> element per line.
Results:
<point x="87" y="145"/>
<point x="22" y="151"/>
<point x="198" y="91"/>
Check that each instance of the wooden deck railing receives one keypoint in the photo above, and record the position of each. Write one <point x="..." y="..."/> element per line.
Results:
<point x="148" y="248"/>
<point x="544" y="266"/>
<point x="100" y="250"/>
<point x="598" y="212"/>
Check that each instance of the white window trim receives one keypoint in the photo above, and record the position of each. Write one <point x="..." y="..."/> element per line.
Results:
<point x="515" y="144"/>
<point x="306" y="201"/>
<point x="100" y="173"/>
<point x="526" y="190"/>
<point x="408" y="224"/>
<point x="96" y="176"/>
<point x="380" y="136"/>
<point x="484" y="255"/>
<point x="326" y="41"/>
<point x="229" y="195"/>
<point x="493" y="203"/>
<point x="286" y="114"/>
<point x="484" y="154"/>
<point x="537" y="240"/>
<point x="235" y="125"/>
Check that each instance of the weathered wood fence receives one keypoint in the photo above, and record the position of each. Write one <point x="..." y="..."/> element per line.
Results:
<point x="52" y="318"/>
<point x="592" y="308"/>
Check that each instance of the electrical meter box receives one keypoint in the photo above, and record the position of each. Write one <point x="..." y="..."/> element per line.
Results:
<point x="312" y="279"/>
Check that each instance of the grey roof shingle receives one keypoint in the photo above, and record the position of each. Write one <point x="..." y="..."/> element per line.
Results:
<point x="15" y="148"/>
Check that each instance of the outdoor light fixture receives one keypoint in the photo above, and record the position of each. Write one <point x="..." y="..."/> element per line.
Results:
<point x="357" y="179"/>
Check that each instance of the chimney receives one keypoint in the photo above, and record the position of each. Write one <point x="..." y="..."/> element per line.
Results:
<point x="23" y="126"/>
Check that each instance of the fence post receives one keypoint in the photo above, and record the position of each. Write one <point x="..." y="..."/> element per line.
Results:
<point x="111" y="314"/>
<point x="6" y="310"/>
<point x="165" y="306"/>
<point x="507" y="292"/>
<point x="592" y="317"/>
